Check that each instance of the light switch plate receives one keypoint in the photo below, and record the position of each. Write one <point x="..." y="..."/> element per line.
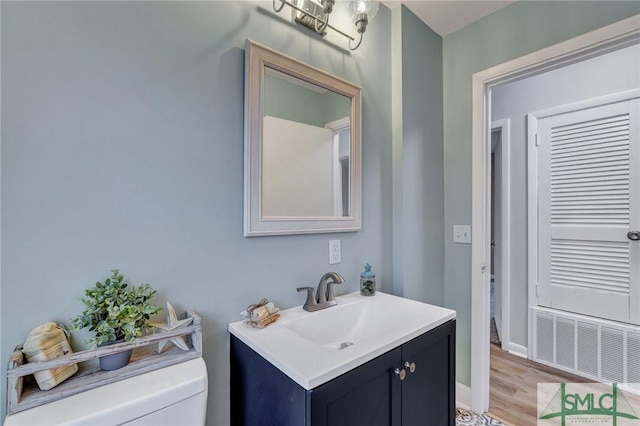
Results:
<point x="462" y="234"/>
<point x="335" y="255"/>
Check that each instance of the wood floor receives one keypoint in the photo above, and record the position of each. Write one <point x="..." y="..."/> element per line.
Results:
<point x="513" y="386"/>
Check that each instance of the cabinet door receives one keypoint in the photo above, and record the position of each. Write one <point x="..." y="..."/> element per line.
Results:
<point x="366" y="396"/>
<point x="260" y="393"/>
<point x="428" y="394"/>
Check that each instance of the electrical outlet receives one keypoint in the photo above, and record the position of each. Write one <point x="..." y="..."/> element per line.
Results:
<point x="462" y="234"/>
<point x="335" y="255"/>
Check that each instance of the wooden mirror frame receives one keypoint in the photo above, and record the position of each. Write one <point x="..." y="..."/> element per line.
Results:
<point x="257" y="57"/>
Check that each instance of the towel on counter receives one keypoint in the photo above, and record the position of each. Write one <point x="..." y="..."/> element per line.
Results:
<point x="264" y="311"/>
<point x="261" y="314"/>
<point x="265" y="322"/>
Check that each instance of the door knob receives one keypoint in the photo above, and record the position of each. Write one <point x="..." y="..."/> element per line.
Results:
<point x="411" y="366"/>
<point x="633" y="235"/>
<point x="401" y="373"/>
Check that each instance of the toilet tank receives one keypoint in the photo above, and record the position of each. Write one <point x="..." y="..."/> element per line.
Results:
<point x="174" y="395"/>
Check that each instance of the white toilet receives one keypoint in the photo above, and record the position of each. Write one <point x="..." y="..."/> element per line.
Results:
<point x="175" y="395"/>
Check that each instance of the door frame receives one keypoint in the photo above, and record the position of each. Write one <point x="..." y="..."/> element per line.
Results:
<point x="336" y="127"/>
<point x="598" y="42"/>
<point x="505" y="226"/>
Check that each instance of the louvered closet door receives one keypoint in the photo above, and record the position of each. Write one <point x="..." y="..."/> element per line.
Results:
<point x="589" y="199"/>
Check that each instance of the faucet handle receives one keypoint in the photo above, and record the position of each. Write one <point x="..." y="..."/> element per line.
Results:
<point x="311" y="301"/>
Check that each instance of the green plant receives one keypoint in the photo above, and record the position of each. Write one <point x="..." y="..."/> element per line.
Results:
<point x="115" y="312"/>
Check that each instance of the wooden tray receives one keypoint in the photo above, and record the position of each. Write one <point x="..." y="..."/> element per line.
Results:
<point x="23" y="394"/>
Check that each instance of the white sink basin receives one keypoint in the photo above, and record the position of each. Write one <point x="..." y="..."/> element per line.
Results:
<point x="315" y="347"/>
<point x="340" y="326"/>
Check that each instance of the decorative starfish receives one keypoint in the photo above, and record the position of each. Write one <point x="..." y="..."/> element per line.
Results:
<point x="173" y="323"/>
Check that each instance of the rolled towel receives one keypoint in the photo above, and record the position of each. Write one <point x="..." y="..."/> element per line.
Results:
<point x="265" y="322"/>
<point x="261" y="314"/>
<point x="44" y="343"/>
<point x="260" y="310"/>
<point x="265" y="311"/>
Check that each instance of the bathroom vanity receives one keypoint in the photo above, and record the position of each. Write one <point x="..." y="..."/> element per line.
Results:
<point x="379" y="360"/>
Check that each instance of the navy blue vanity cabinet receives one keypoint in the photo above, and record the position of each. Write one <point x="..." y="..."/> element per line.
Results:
<point x="262" y="395"/>
<point x="429" y="393"/>
<point x="370" y="395"/>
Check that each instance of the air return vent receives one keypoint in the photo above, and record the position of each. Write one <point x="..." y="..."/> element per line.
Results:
<point x="544" y="333"/>
<point x="633" y="362"/>
<point x="595" y="348"/>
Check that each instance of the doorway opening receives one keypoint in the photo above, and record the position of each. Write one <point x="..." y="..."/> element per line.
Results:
<point x="500" y="236"/>
<point x="595" y="43"/>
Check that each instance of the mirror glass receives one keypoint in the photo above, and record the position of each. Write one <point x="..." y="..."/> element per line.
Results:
<point x="302" y="147"/>
<point x="305" y="148"/>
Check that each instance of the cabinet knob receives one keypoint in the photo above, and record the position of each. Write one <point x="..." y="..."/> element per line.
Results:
<point x="401" y="373"/>
<point x="411" y="366"/>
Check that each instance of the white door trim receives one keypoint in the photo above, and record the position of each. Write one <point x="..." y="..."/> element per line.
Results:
<point x="610" y="37"/>
<point x="505" y="225"/>
<point x="336" y="127"/>
<point x="532" y="225"/>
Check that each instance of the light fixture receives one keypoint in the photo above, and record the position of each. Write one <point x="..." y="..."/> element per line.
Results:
<point x="363" y="12"/>
<point x="315" y="15"/>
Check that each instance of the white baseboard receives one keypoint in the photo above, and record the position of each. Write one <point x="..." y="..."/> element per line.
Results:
<point x="463" y="396"/>
<point x="518" y="350"/>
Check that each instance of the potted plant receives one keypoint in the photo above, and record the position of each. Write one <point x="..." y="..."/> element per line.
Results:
<point x="116" y="313"/>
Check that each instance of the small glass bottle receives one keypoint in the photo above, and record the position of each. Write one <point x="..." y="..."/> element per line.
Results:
<point x="367" y="281"/>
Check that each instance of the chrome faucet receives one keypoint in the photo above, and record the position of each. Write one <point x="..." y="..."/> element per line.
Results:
<point x="325" y="297"/>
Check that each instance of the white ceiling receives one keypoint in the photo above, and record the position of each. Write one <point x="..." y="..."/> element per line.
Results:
<point x="445" y="17"/>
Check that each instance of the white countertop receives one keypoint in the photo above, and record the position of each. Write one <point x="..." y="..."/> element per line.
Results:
<point x="374" y="324"/>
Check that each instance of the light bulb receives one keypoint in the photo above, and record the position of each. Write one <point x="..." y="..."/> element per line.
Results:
<point x="369" y="7"/>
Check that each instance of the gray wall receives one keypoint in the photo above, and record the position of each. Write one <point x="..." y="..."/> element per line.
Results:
<point x="521" y="28"/>
<point x="418" y="169"/>
<point x="615" y="72"/>
<point x="122" y="146"/>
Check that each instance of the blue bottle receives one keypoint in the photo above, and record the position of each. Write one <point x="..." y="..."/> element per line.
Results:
<point x="367" y="281"/>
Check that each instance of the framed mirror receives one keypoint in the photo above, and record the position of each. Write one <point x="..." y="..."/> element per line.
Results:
<point x="302" y="147"/>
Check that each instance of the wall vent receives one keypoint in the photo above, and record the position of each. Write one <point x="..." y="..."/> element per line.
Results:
<point x="595" y="348"/>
